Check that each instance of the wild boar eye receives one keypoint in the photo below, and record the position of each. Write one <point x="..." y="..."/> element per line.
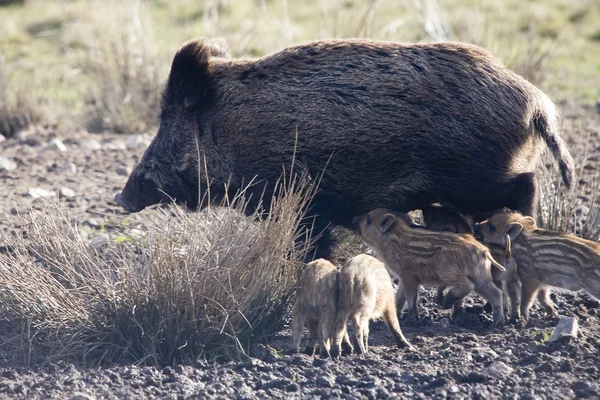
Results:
<point x="492" y="228"/>
<point x="368" y="220"/>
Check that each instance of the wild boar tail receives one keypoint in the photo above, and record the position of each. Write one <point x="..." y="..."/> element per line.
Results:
<point x="494" y="262"/>
<point x="544" y="122"/>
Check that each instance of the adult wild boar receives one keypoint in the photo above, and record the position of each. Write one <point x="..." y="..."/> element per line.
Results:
<point x="391" y="125"/>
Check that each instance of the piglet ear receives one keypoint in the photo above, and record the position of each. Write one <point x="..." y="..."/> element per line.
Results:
<point x="190" y="79"/>
<point x="386" y="223"/>
<point x="513" y="230"/>
<point x="530" y="221"/>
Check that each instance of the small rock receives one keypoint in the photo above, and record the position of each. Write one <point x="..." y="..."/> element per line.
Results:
<point x="56" y="144"/>
<point x="37" y="193"/>
<point x="498" y="370"/>
<point x="325" y="381"/>
<point x="68" y="168"/>
<point x="292" y="387"/>
<point x="66" y="192"/>
<point x="93" y="222"/>
<point x="134" y="233"/>
<point x="21" y="135"/>
<point x="123" y="171"/>
<point x="83" y="235"/>
<point x="118" y="145"/>
<point x="81" y="396"/>
<point x="90" y="144"/>
<point x="136" y="142"/>
<point x="7" y="164"/>
<point x="566" y="329"/>
<point x="2" y="138"/>
<point x="100" y="240"/>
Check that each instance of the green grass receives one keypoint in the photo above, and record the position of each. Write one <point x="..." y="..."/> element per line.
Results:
<point x="49" y="44"/>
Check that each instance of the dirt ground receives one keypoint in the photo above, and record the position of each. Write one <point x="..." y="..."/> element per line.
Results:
<point x="459" y="358"/>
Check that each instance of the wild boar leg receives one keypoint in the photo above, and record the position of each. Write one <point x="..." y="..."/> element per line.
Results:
<point x="543" y="297"/>
<point x="528" y="292"/>
<point x="359" y="333"/>
<point x="313" y="337"/>
<point x="514" y="291"/>
<point x="523" y="195"/>
<point x="297" y="328"/>
<point x="411" y="292"/>
<point x="390" y="317"/>
<point x="458" y="292"/>
<point x="491" y="292"/>
<point x="440" y="294"/>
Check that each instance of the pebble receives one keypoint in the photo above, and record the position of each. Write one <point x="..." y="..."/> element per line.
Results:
<point x="123" y="171"/>
<point x="83" y="235"/>
<point x="2" y="138"/>
<point x="68" y="168"/>
<point x="136" y="142"/>
<point x="37" y="193"/>
<point x="93" y="222"/>
<point x="56" y="144"/>
<point x="498" y="370"/>
<point x="22" y="135"/>
<point x="566" y="329"/>
<point x="100" y="240"/>
<point x="90" y="144"/>
<point x="118" y="145"/>
<point x="6" y="164"/>
<point x="66" y="192"/>
<point x="81" y="396"/>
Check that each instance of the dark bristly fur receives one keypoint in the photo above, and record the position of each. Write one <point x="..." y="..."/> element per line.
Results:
<point x="420" y="256"/>
<point x="365" y="293"/>
<point x="393" y="125"/>
<point x="544" y="258"/>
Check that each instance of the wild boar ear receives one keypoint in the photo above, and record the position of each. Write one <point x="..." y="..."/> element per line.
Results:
<point x="450" y="228"/>
<point x="191" y="76"/>
<point x="513" y="230"/>
<point x="530" y="221"/>
<point x="386" y="223"/>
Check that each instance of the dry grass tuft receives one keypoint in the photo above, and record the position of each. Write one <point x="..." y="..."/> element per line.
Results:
<point x="18" y="110"/>
<point x="564" y="210"/>
<point x="204" y="284"/>
<point x="126" y="94"/>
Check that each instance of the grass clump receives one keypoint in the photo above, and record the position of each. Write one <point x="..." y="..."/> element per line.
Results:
<point x="125" y="96"/>
<point x="576" y="210"/>
<point x="18" y="110"/>
<point x="206" y="284"/>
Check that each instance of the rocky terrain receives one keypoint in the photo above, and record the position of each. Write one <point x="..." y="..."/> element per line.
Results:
<point x="460" y="358"/>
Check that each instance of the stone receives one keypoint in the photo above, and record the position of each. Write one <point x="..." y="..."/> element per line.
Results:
<point x="100" y="240"/>
<point x="2" y="138"/>
<point x="91" y="144"/>
<point x="56" y="144"/>
<point x="136" y="142"/>
<point x="498" y="370"/>
<point x="68" y="168"/>
<point x="566" y="329"/>
<point x="66" y="192"/>
<point x="6" y="164"/>
<point x="38" y="193"/>
<point x="123" y="171"/>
